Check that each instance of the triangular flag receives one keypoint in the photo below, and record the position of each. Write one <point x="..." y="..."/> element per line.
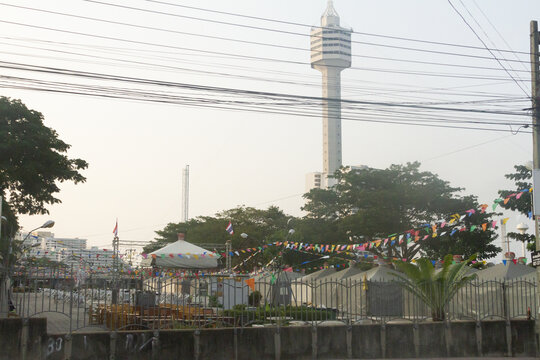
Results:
<point x="251" y="283"/>
<point x="504" y="221"/>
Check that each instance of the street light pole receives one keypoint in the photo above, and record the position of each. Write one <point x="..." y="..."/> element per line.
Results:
<point x="5" y="279"/>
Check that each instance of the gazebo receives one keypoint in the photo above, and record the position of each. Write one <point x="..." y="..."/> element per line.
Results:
<point x="182" y="255"/>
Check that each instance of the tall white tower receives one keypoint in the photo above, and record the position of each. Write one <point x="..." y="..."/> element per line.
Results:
<point x="330" y="54"/>
<point x="185" y="194"/>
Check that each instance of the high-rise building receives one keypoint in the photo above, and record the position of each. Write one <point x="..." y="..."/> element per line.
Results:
<point x="331" y="54"/>
<point x="314" y="180"/>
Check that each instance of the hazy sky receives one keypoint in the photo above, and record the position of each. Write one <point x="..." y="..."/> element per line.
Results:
<point x="136" y="150"/>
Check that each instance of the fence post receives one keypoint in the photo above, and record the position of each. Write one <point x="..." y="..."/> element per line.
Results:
<point x="113" y="336"/>
<point x="314" y="342"/>
<point x="447" y="337"/>
<point x="349" y="342"/>
<point x="155" y="345"/>
<point x="277" y="344"/>
<point x="416" y="339"/>
<point x="235" y="343"/>
<point x="24" y="338"/>
<point x="507" y="318"/>
<point x="197" y="344"/>
<point x="479" y="338"/>
<point x="383" y="340"/>
<point x="68" y="347"/>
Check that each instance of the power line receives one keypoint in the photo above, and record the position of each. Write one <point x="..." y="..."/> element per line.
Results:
<point x="248" y="42"/>
<point x="258" y="58"/>
<point x="483" y="43"/>
<point x="284" y="31"/>
<point x="256" y="109"/>
<point x="309" y="26"/>
<point x="272" y="95"/>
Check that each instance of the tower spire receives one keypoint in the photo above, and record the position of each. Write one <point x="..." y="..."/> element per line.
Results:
<point x="330" y="16"/>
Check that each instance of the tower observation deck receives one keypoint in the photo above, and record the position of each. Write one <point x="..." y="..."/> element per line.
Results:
<point x="330" y="54"/>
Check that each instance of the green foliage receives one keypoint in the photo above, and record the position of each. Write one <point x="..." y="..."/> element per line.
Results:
<point x="213" y="301"/>
<point x="32" y="163"/>
<point x="522" y="178"/>
<point x="434" y="288"/>
<point x="254" y="299"/>
<point x="262" y="227"/>
<point x="32" y="160"/>
<point x="371" y="204"/>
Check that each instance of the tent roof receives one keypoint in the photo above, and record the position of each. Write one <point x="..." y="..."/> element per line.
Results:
<point x="187" y="259"/>
<point x="283" y="276"/>
<point x="319" y="274"/>
<point x="344" y="274"/>
<point x="378" y="273"/>
<point x="505" y="272"/>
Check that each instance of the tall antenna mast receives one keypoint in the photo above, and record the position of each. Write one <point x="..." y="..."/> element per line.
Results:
<point x="185" y="194"/>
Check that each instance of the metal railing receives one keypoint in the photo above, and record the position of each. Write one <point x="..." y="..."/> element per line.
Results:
<point x="101" y="301"/>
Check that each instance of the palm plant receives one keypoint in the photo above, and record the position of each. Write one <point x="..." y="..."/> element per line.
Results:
<point x="434" y="288"/>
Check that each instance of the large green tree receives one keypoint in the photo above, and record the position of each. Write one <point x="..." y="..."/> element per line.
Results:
<point x="370" y="204"/>
<point x="33" y="161"/>
<point x="522" y="178"/>
<point x="261" y="227"/>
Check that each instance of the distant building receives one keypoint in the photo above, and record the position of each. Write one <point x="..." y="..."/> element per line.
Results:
<point x="315" y="181"/>
<point x="68" y="251"/>
<point x="318" y="180"/>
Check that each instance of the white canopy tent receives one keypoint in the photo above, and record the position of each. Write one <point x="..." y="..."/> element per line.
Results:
<point x="182" y="254"/>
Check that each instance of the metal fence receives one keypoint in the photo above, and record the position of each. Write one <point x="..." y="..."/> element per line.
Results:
<point x="101" y="301"/>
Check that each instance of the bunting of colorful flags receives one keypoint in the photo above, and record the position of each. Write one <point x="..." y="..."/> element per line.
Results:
<point x="448" y="227"/>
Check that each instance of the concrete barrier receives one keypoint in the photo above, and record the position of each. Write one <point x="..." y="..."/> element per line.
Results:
<point x="259" y="343"/>
<point x="28" y="340"/>
<point x="10" y="330"/>
<point x="366" y="342"/>
<point x="462" y="339"/>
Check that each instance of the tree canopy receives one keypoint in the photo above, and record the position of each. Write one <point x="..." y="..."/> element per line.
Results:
<point x="370" y="204"/>
<point x="364" y="205"/>
<point x="522" y="178"/>
<point x="32" y="162"/>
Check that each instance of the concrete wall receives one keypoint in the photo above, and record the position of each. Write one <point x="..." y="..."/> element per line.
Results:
<point x="28" y="340"/>
<point x="22" y="338"/>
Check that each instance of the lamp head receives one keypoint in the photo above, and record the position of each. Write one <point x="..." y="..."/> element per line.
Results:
<point x="244" y="235"/>
<point x="291" y="231"/>
<point x="48" y="224"/>
<point x="522" y="228"/>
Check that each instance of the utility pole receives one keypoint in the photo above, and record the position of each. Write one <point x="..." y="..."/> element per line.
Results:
<point x="4" y="285"/>
<point x="535" y="98"/>
<point x="116" y="269"/>
<point x="228" y="261"/>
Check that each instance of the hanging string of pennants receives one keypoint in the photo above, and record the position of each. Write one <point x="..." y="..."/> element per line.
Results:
<point x="448" y="227"/>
